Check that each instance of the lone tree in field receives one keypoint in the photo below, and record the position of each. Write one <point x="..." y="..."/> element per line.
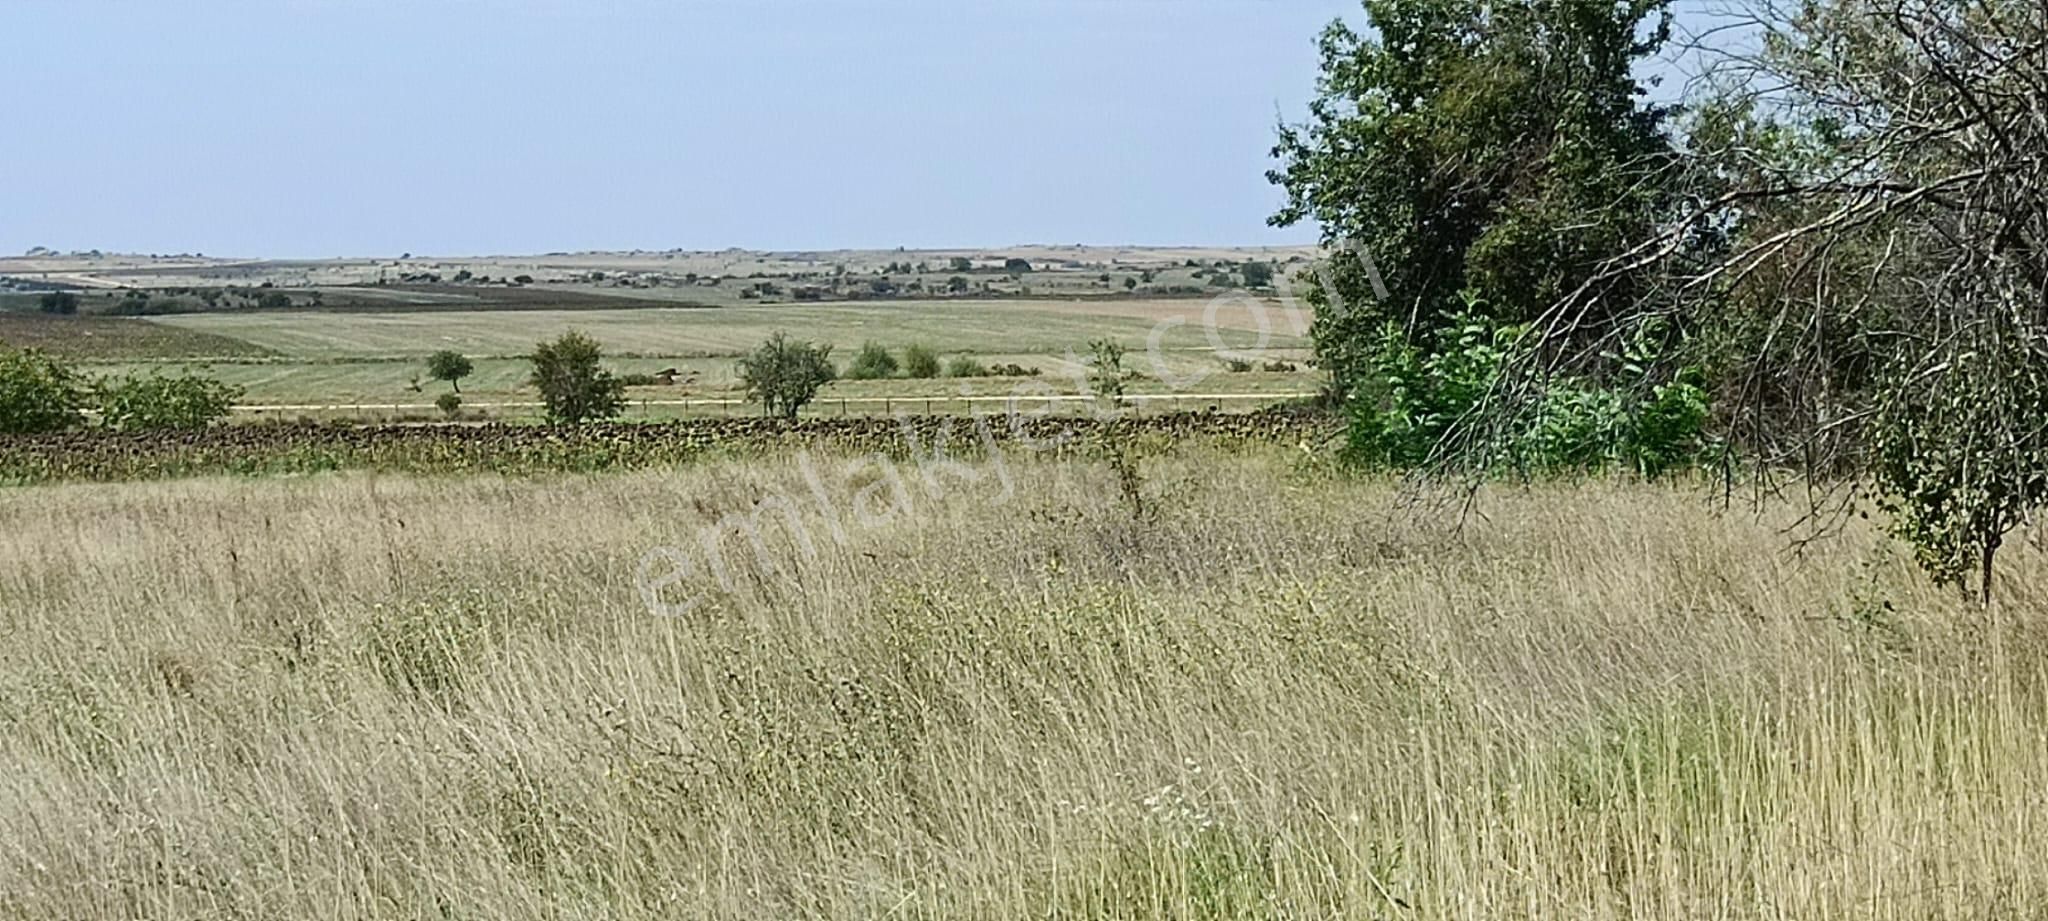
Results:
<point x="451" y="366"/>
<point x="572" y="383"/>
<point x="785" y="374"/>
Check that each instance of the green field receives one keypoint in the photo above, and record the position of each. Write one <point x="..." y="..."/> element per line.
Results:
<point x="356" y="331"/>
<point x="342" y="359"/>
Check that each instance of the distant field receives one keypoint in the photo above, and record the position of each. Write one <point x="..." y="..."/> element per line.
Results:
<point x="669" y="275"/>
<point x="344" y="387"/>
<point x="345" y="332"/>
<point x="387" y="381"/>
<point x="349" y="357"/>
<point x="979" y="327"/>
<point x="113" y="338"/>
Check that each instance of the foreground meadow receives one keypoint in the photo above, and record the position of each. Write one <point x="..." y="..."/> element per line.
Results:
<point x="997" y="694"/>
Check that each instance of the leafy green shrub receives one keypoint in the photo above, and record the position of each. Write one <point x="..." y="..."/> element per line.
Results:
<point x="1257" y="274"/>
<point x="873" y="363"/>
<point x="965" y="366"/>
<point x="784" y="374"/>
<point x="62" y="303"/>
<point x="186" y="402"/>
<point x="1237" y="365"/>
<point x="37" y="394"/>
<point x="919" y="361"/>
<point x="1415" y="397"/>
<point x="638" y="379"/>
<point x="450" y="404"/>
<point x="1668" y="431"/>
<point x="572" y="383"/>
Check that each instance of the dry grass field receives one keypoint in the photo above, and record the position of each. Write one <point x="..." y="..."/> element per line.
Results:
<point x="1279" y="695"/>
<point x="981" y="327"/>
<point x="119" y="339"/>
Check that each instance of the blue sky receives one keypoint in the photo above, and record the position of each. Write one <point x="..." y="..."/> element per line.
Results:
<point x="315" y="128"/>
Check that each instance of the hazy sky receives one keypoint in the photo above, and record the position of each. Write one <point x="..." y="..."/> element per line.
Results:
<point x="320" y="128"/>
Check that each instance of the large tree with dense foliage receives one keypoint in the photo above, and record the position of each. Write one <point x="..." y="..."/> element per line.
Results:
<point x="1484" y="153"/>
<point x="1860" y="265"/>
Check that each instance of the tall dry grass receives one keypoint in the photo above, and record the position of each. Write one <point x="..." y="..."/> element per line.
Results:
<point x="374" y="697"/>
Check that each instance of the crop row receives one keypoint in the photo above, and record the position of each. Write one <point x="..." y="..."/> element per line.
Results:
<point x="303" y="448"/>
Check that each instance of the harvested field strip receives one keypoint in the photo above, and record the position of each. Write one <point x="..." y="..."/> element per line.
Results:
<point x="1018" y="326"/>
<point x="287" y="448"/>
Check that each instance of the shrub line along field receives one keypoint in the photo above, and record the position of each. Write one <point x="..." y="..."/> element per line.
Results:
<point x="328" y="363"/>
<point x="455" y="448"/>
<point x="1007" y="400"/>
